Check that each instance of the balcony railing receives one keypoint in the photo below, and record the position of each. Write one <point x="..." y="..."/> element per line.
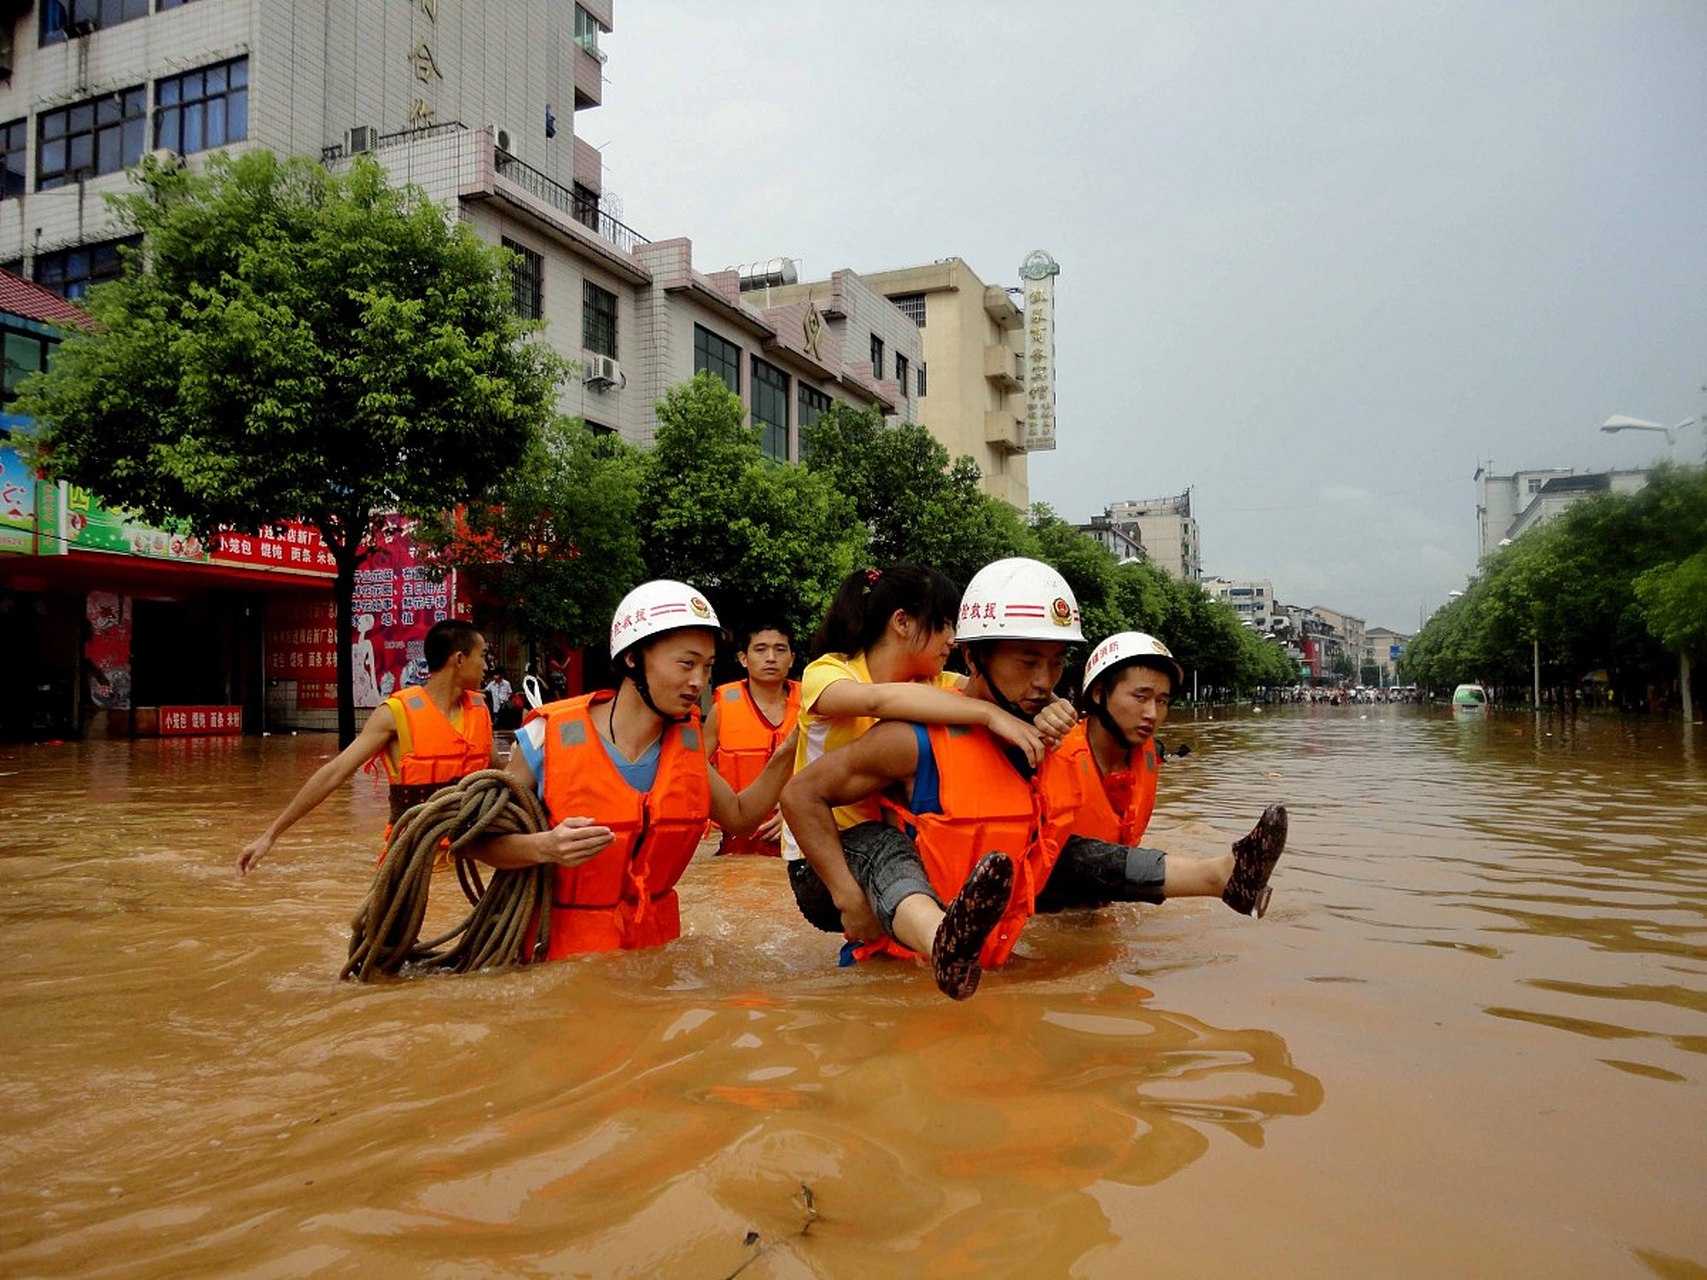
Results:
<point x="560" y="197"/>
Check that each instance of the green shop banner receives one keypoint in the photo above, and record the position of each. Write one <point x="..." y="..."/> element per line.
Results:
<point x="86" y="525"/>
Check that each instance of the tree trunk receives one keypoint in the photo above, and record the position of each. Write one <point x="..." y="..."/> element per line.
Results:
<point x="346" y="590"/>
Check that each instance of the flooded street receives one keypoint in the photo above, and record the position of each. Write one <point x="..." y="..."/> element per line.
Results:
<point x="1470" y="1038"/>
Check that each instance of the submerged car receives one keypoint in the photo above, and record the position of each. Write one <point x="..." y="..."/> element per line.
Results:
<point x="1469" y="700"/>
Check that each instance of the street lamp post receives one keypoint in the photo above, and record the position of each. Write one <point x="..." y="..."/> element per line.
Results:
<point x="1622" y="422"/>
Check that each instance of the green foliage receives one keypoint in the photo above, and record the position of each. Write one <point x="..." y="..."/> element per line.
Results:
<point x="1617" y="583"/>
<point x="761" y="539"/>
<point x="290" y="344"/>
<point x="553" y="549"/>
<point x="918" y="504"/>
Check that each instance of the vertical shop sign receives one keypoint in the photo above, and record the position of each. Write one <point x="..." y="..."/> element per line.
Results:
<point x="396" y="604"/>
<point x="302" y="647"/>
<point x="1039" y="271"/>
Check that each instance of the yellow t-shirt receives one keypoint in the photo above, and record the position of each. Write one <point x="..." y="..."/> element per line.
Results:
<point x="819" y="734"/>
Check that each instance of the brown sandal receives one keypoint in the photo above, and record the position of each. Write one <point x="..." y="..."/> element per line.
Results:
<point x="967" y="922"/>
<point x="1247" y="890"/>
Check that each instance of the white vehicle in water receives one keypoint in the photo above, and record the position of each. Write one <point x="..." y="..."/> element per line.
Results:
<point x="1469" y="700"/>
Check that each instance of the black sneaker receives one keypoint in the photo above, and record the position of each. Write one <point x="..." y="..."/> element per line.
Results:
<point x="1247" y="890"/>
<point x="967" y="922"/>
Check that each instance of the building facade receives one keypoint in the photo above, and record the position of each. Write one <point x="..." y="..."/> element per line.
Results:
<point x="1111" y="540"/>
<point x="1508" y="506"/>
<point x="968" y="378"/>
<point x="1382" y="649"/>
<point x="1166" y="530"/>
<point x="475" y="103"/>
<point x="1251" y="598"/>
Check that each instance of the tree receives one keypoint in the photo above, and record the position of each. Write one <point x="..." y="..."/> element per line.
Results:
<point x="290" y="344"/>
<point x="556" y="545"/>
<point x="762" y="539"/>
<point x="919" y="504"/>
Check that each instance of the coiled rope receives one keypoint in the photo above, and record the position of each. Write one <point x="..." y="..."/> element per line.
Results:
<point x="385" y="933"/>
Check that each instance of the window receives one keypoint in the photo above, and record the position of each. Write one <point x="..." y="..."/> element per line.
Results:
<point x="25" y="354"/>
<point x="598" y="319"/>
<point x="171" y="4"/>
<point x="921" y="379"/>
<point x="527" y="280"/>
<point x="102" y="135"/>
<point x="901" y="373"/>
<point x="911" y="305"/>
<point x="584" y="206"/>
<point x="13" y="178"/>
<point x="202" y="109"/>
<point x="586" y="30"/>
<point x="82" y="17"/>
<point x="809" y="405"/>
<point x="876" y="356"/>
<point x="712" y="354"/>
<point x="70" y="272"/>
<point x="770" y="409"/>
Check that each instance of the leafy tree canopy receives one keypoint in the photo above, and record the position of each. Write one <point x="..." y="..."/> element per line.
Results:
<point x="292" y="344"/>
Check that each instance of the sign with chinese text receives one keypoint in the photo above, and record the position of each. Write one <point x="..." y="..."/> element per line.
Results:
<point x="86" y="524"/>
<point x="1038" y="272"/>
<point x="396" y="604"/>
<point x="17" y="504"/>
<point x="186" y="721"/>
<point x="302" y="646"/>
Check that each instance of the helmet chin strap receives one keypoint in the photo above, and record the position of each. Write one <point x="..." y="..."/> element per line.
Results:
<point x="996" y="695"/>
<point x="1106" y="719"/>
<point x="636" y="672"/>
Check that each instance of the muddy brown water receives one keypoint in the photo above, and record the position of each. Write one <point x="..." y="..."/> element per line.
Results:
<point x="1468" y="1039"/>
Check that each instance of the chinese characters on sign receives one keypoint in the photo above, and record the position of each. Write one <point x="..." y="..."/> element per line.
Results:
<point x="1039" y="271"/>
<point x="396" y="605"/>
<point x="302" y="646"/>
<point x="425" y="67"/>
<point x="179" y="721"/>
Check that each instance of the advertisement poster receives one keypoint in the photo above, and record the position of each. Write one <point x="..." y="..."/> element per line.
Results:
<point x="106" y="650"/>
<point x="87" y="525"/>
<point x="17" y="504"/>
<point x="395" y="606"/>
<point x="302" y="639"/>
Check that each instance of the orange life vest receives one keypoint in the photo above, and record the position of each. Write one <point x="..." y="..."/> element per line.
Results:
<point x="625" y="896"/>
<point x="745" y="743"/>
<point x="986" y="805"/>
<point x="438" y="752"/>
<point x="1083" y="800"/>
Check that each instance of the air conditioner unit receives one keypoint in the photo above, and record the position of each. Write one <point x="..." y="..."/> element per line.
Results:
<point x="359" y="139"/>
<point x="501" y="138"/>
<point x="602" y="371"/>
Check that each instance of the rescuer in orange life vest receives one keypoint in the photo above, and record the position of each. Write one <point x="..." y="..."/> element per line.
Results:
<point x="749" y="719"/>
<point x="427" y="736"/>
<point x="626" y="782"/>
<point x="983" y="826"/>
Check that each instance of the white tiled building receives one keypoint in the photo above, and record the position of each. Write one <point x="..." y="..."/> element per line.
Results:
<point x="475" y="101"/>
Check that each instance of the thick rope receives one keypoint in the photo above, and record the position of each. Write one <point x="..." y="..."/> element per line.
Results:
<point x="385" y="933"/>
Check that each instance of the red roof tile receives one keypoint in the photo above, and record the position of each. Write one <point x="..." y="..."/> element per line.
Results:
<point x="20" y="297"/>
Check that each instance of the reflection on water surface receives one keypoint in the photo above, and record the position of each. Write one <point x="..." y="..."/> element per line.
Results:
<point x="1469" y="1037"/>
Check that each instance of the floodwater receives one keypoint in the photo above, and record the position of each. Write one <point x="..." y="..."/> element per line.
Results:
<point x="1469" y="1039"/>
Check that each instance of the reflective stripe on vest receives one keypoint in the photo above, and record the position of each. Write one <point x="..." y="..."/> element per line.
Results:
<point x="438" y="751"/>
<point x="745" y="743"/>
<point x="987" y="806"/>
<point x="1077" y="796"/>
<point x="624" y="897"/>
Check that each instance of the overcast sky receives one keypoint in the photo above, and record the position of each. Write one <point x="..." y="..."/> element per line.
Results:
<point x="1319" y="260"/>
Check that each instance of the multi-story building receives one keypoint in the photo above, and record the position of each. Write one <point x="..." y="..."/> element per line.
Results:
<point x="1382" y="649"/>
<point x="1111" y="540"/>
<point x="1345" y="636"/>
<point x="973" y="399"/>
<point x="1164" y="527"/>
<point x="475" y="105"/>
<point x="1251" y="598"/>
<point x="1508" y="506"/>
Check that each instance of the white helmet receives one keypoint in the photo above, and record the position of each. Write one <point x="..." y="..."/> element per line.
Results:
<point x="655" y="607"/>
<point x="1018" y="599"/>
<point x="1123" y="647"/>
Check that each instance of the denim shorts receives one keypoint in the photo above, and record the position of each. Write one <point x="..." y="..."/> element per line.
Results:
<point x="884" y="862"/>
<point x="1094" y="873"/>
